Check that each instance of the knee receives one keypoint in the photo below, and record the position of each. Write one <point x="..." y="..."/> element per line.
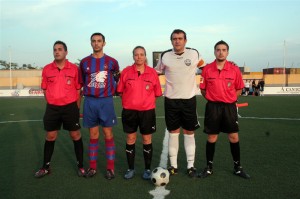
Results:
<point x="94" y="135"/>
<point x="147" y="139"/>
<point x="108" y="136"/>
<point x="51" y="136"/>
<point x="75" y="135"/>
<point x="130" y="139"/>
<point x="107" y="132"/>
<point x="212" y="138"/>
<point x="233" y="137"/>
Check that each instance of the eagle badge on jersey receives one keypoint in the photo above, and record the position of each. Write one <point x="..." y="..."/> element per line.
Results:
<point x="187" y="62"/>
<point x="101" y="76"/>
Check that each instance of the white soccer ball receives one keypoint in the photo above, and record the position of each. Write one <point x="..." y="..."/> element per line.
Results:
<point x="160" y="176"/>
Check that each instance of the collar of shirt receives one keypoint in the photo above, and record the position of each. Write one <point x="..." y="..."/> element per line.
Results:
<point x="67" y="64"/>
<point x="98" y="58"/>
<point x="136" y="71"/>
<point x="227" y="65"/>
<point x="178" y="54"/>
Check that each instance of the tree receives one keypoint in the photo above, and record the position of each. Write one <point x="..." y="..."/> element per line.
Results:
<point x="14" y="66"/>
<point x="30" y="67"/>
<point x="6" y="66"/>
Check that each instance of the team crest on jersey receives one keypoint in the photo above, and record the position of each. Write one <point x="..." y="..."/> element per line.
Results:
<point x="98" y="79"/>
<point x="105" y="67"/>
<point x="187" y="62"/>
<point x="147" y="87"/>
<point x="68" y="81"/>
<point x="228" y="84"/>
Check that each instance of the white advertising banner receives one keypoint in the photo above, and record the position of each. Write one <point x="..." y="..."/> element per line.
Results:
<point x="282" y="91"/>
<point x="27" y="92"/>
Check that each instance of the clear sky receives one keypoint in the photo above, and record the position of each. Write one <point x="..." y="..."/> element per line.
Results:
<point x="256" y="31"/>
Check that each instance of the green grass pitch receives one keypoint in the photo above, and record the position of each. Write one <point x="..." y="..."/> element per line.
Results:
<point x="269" y="140"/>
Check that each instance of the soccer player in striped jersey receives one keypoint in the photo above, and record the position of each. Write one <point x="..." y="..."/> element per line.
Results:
<point x="99" y="73"/>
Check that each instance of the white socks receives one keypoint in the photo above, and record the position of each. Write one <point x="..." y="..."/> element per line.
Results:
<point x="190" y="148"/>
<point x="173" y="148"/>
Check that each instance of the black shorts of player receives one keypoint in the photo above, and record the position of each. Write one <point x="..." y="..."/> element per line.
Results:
<point x="67" y="115"/>
<point x="181" y="113"/>
<point x="220" y="117"/>
<point x="144" y="120"/>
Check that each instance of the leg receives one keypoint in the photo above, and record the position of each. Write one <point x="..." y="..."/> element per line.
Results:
<point x="78" y="147"/>
<point x="173" y="150"/>
<point x="130" y="149"/>
<point x="93" y="151"/>
<point x="147" y="152"/>
<point x="172" y="119"/>
<point x="235" y="152"/>
<point x="130" y="154"/>
<point x="190" y="149"/>
<point x="48" y="152"/>
<point x="234" y="147"/>
<point x="147" y="148"/>
<point x="210" y="151"/>
<point x="93" y="146"/>
<point x="110" y="152"/>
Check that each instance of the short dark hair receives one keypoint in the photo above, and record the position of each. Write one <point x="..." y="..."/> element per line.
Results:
<point x="137" y="48"/>
<point x="99" y="34"/>
<point x="62" y="43"/>
<point x="177" y="31"/>
<point x="221" y="42"/>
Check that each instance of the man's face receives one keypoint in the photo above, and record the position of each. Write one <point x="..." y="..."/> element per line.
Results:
<point x="221" y="52"/>
<point x="97" y="43"/>
<point x="178" y="42"/>
<point x="59" y="52"/>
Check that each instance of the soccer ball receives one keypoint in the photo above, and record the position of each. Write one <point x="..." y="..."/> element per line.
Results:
<point x="160" y="176"/>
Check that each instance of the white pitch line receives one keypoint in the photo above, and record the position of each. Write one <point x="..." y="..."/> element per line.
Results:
<point x="271" y="118"/>
<point x="20" y="121"/>
<point x="162" y="192"/>
<point x="162" y="117"/>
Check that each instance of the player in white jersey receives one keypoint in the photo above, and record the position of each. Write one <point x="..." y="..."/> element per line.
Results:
<point x="179" y="66"/>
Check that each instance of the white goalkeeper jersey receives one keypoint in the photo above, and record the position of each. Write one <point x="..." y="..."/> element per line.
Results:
<point x="180" y="72"/>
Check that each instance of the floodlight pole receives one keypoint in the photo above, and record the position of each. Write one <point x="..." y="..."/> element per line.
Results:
<point x="10" y="76"/>
<point x="284" y="66"/>
<point x="284" y="53"/>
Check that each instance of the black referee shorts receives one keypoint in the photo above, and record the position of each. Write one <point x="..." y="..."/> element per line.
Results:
<point x="67" y="115"/>
<point x="220" y="117"/>
<point x="133" y="119"/>
<point x="181" y="113"/>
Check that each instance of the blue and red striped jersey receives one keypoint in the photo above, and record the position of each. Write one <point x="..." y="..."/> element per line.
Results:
<point x="97" y="76"/>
